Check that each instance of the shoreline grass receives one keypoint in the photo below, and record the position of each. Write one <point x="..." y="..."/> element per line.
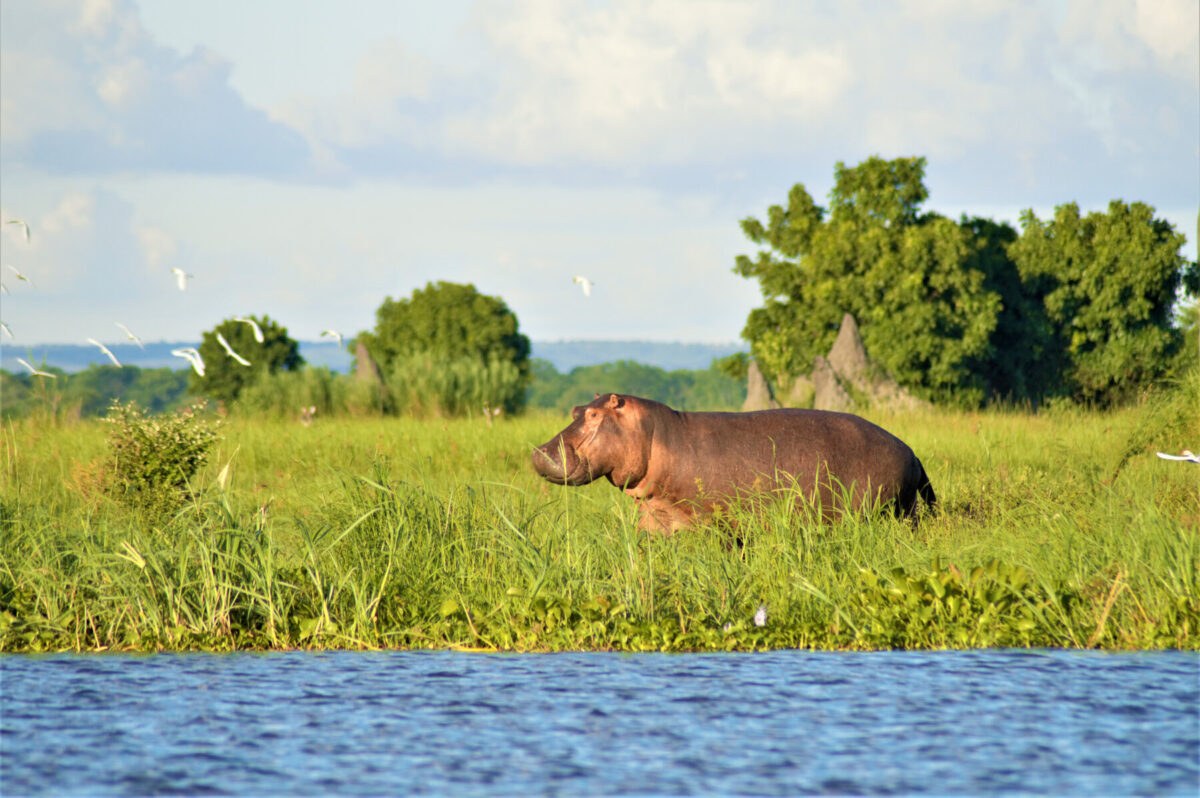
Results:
<point x="1055" y="529"/>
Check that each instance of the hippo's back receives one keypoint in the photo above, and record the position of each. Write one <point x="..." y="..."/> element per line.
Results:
<point x="812" y="447"/>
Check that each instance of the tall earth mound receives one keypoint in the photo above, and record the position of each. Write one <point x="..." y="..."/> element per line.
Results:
<point x="759" y="395"/>
<point x="846" y="379"/>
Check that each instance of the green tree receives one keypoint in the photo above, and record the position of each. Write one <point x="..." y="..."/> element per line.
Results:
<point x="450" y="322"/>
<point x="1108" y="283"/>
<point x="225" y="377"/>
<point x="907" y="277"/>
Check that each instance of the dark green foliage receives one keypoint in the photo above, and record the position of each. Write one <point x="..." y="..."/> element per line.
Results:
<point x="224" y="377"/>
<point x="450" y="322"/>
<point x="963" y="312"/>
<point x="89" y="392"/>
<point x="152" y="459"/>
<point x="710" y="389"/>
<point x="908" y="279"/>
<point x="1108" y="283"/>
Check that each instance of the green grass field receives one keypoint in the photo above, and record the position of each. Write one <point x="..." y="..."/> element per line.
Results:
<point x="1055" y="529"/>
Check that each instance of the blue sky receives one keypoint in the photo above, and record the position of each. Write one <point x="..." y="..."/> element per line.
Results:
<point x="308" y="159"/>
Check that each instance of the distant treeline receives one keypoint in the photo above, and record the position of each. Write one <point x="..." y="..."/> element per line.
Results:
<point x="89" y="393"/>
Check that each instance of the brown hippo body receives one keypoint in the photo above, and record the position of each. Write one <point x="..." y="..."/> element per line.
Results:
<point x="679" y="464"/>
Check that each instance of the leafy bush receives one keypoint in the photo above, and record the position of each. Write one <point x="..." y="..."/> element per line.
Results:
<point x="153" y="458"/>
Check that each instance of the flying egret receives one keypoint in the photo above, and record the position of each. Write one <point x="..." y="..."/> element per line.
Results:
<point x="24" y="227"/>
<point x="20" y="276"/>
<point x="586" y="284"/>
<point x="192" y="356"/>
<point x="3" y="288"/>
<point x="229" y="350"/>
<point x="333" y="334"/>
<point x="7" y="331"/>
<point x="35" y="372"/>
<point x="181" y="277"/>
<point x="129" y="334"/>
<point x="1184" y="455"/>
<point x="258" y="336"/>
<point x="106" y="351"/>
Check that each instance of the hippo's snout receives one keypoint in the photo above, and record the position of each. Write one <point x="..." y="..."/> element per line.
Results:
<point x="558" y="462"/>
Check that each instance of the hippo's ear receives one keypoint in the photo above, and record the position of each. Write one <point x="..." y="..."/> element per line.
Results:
<point x="615" y="401"/>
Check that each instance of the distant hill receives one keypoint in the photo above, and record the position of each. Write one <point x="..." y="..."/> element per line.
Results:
<point x="565" y="355"/>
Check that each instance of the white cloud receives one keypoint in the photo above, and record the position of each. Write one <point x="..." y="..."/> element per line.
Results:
<point x="85" y="89"/>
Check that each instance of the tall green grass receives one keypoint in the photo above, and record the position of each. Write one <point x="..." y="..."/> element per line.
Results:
<point x="1057" y="529"/>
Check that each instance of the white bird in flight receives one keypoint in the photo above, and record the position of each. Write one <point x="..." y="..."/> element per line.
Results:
<point x="181" y="277"/>
<point x="1184" y="455"/>
<point x="586" y="284"/>
<point x="106" y="351"/>
<point x="333" y="334"/>
<point x="258" y="336"/>
<point x="7" y="331"/>
<point x="35" y="372"/>
<point x="3" y="288"/>
<point x="129" y="334"/>
<point x="229" y="350"/>
<point x="192" y="356"/>
<point x="24" y="227"/>
<point x="20" y="276"/>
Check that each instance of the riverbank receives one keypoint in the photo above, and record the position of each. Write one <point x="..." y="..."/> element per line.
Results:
<point x="1058" y="529"/>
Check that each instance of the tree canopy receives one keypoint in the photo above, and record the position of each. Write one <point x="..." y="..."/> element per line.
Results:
<point x="449" y="320"/>
<point x="448" y="323"/>
<point x="1108" y="283"/>
<point x="907" y="277"/>
<point x="224" y="376"/>
<point x="966" y="310"/>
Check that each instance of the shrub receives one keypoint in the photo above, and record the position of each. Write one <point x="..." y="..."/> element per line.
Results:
<point x="152" y="459"/>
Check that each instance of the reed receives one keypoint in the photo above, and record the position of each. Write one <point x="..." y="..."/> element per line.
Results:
<point x="1055" y="529"/>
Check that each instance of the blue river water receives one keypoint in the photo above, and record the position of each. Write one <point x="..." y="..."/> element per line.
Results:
<point x="780" y="723"/>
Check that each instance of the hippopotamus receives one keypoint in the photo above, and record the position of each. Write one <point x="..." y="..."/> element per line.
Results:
<point x="678" y="465"/>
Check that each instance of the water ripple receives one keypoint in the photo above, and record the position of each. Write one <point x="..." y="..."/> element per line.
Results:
<point x="1034" y="722"/>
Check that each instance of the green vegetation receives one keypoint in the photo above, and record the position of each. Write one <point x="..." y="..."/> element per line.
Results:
<point x="88" y="393"/>
<point x="152" y="460"/>
<point x="1055" y="529"/>
<point x="708" y="389"/>
<point x="967" y="311"/>
<point x="224" y="376"/>
<point x="453" y="330"/>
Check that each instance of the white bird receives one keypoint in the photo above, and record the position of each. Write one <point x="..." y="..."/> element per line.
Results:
<point x="1184" y="455"/>
<point x="35" y="372"/>
<point x="229" y="350"/>
<point x="586" y="284"/>
<point x="20" y="276"/>
<point x="106" y="351"/>
<point x="3" y="288"/>
<point x="7" y="331"/>
<point x="181" y="277"/>
<point x="760" y="617"/>
<point x="192" y="356"/>
<point x="24" y="227"/>
<point x="129" y="334"/>
<point x="258" y="336"/>
<point x="333" y="334"/>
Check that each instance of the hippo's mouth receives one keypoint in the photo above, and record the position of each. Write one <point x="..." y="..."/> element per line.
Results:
<point x="568" y="468"/>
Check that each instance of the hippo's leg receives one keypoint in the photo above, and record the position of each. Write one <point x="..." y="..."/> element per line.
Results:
<point x="658" y="515"/>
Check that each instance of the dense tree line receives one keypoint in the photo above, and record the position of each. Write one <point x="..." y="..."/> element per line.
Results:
<point x="682" y="389"/>
<point x="968" y="311"/>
